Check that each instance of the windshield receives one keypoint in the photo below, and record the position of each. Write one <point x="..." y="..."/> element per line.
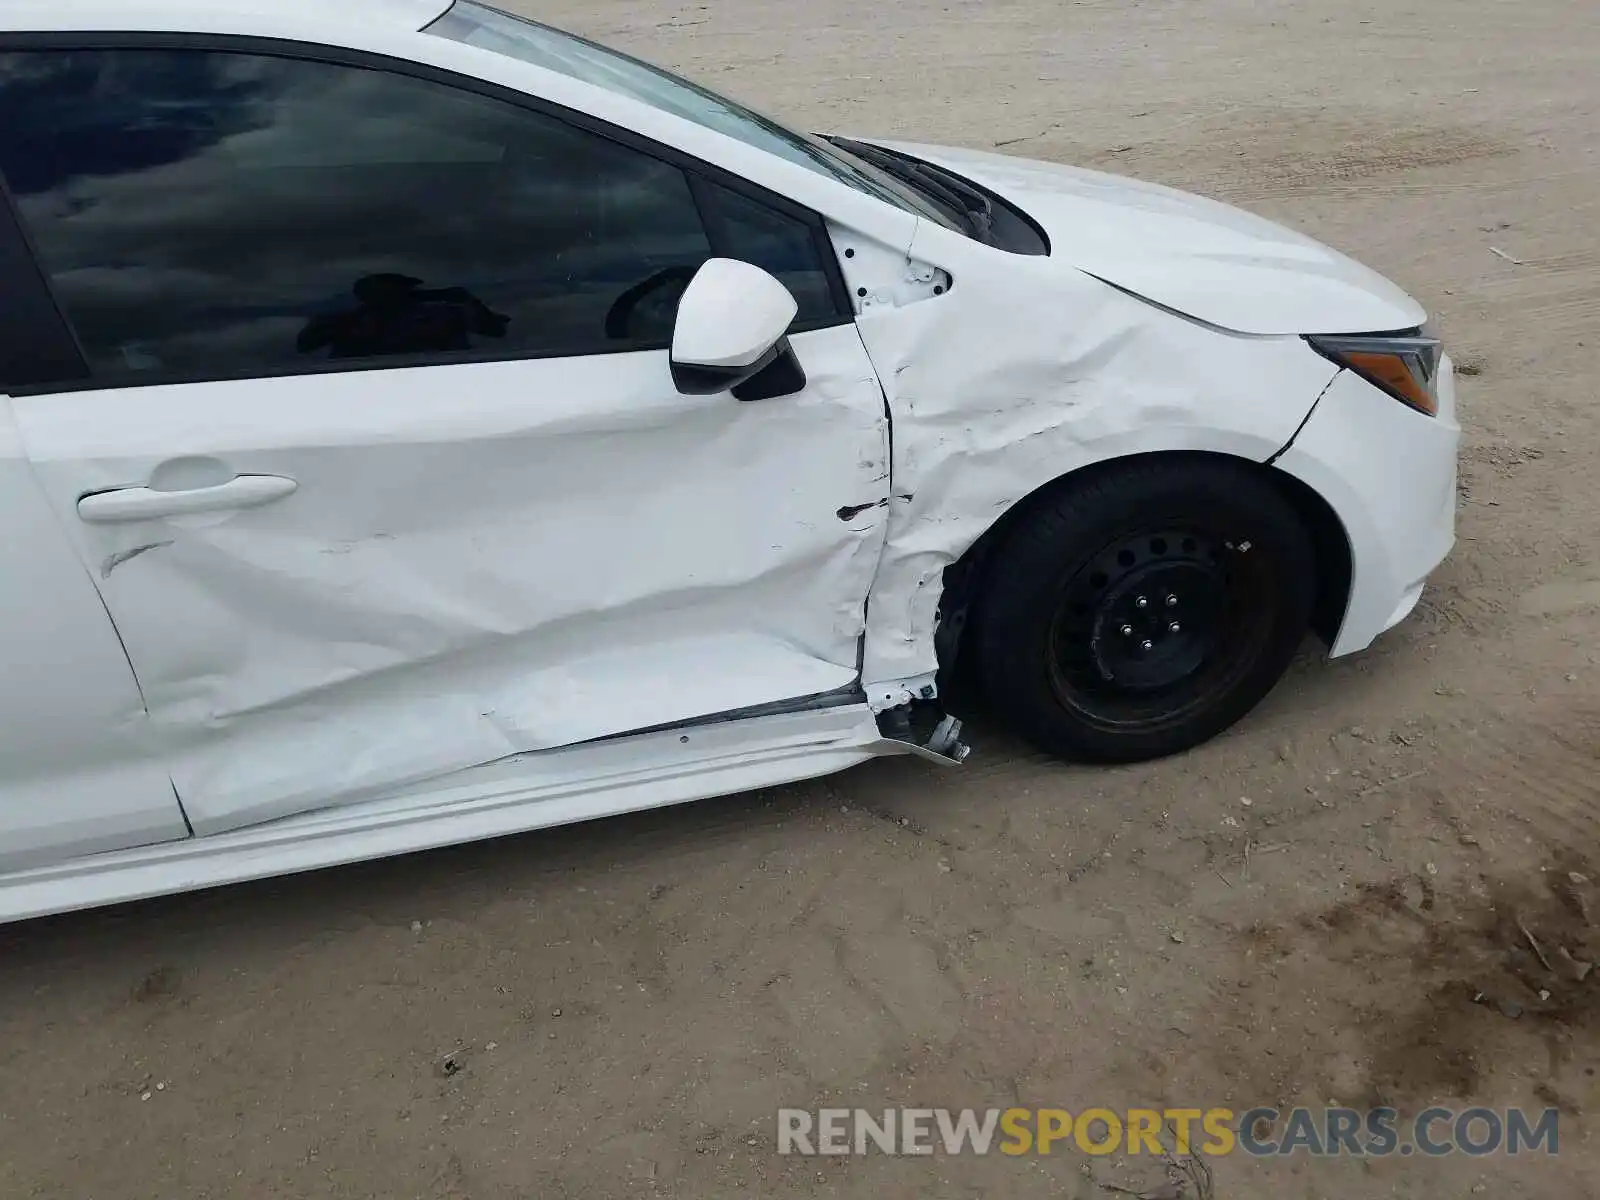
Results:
<point x="527" y="41"/>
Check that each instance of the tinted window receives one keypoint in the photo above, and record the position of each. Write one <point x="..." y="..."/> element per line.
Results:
<point x="225" y="214"/>
<point x="778" y="244"/>
<point x="528" y="41"/>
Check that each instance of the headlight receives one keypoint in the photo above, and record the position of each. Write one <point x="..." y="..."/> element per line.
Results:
<point x="1407" y="366"/>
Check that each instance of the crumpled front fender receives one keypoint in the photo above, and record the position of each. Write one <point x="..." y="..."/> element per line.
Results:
<point x="1023" y="372"/>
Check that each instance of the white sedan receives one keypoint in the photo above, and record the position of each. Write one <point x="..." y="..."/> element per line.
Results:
<point x="419" y="424"/>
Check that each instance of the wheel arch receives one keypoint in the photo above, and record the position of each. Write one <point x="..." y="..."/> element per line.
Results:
<point x="1330" y="545"/>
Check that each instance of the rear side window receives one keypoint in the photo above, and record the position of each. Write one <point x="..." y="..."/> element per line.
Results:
<point x="205" y="214"/>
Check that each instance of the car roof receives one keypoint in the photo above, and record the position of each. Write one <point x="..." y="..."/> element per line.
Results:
<point x="242" y="17"/>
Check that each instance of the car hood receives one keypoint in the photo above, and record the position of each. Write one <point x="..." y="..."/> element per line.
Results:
<point x="1204" y="259"/>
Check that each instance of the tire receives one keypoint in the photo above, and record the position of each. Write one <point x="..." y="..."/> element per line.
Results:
<point x="1067" y="655"/>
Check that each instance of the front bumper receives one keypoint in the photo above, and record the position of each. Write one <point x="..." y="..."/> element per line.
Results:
<point x="1389" y="473"/>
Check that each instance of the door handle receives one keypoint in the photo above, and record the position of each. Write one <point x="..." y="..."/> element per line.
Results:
<point x="142" y="503"/>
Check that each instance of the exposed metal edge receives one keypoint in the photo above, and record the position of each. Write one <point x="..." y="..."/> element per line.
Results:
<point x="838" y="698"/>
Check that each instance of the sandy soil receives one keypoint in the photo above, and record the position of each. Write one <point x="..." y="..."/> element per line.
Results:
<point x="630" y="1002"/>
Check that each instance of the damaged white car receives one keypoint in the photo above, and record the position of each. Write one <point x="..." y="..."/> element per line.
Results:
<point x="419" y="425"/>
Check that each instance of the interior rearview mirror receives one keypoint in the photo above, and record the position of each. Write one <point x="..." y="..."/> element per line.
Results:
<point x="732" y="334"/>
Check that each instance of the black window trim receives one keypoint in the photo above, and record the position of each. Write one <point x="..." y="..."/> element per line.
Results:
<point x="42" y="321"/>
<point x="38" y="348"/>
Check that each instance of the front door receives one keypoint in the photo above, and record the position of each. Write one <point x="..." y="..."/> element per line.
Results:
<point x="76" y="771"/>
<point x="374" y="453"/>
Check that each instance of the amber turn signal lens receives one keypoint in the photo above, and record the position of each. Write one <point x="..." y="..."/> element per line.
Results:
<point x="1404" y="365"/>
<point x="1392" y="373"/>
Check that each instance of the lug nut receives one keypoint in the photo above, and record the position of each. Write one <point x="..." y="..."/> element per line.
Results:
<point x="1127" y="631"/>
<point x="1146" y="644"/>
<point x="1172" y="602"/>
<point x="1141" y="602"/>
<point x="1173" y="628"/>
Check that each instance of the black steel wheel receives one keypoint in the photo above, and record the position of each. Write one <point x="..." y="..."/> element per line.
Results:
<point x="1143" y="610"/>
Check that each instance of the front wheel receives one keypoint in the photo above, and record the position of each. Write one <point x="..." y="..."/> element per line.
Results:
<point x="1143" y="610"/>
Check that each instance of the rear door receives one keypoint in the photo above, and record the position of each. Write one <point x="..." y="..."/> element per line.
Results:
<point x="374" y="451"/>
<point x="77" y="774"/>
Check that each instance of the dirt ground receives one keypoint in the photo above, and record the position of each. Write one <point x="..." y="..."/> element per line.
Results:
<point x="1306" y="910"/>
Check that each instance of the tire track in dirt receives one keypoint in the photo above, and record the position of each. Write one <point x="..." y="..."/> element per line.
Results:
<point x="1544" y="775"/>
<point x="1562" y="305"/>
<point x="1560" y="290"/>
<point x="1585" y="264"/>
<point x="1380" y="153"/>
<point x="1279" y="160"/>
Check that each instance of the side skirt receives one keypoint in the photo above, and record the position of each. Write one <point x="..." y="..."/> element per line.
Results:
<point x="514" y="795"/>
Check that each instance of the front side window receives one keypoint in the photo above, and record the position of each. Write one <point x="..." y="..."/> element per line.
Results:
<point x="216" y="214"/>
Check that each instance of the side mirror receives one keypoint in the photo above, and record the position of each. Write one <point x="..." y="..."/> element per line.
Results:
<point x="732" y="327"/>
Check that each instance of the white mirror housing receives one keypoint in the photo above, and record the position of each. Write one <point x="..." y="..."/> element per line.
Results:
<point x="732" y="325"/>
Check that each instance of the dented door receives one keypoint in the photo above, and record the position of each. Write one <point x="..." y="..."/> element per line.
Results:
<point x="367" y="434"/>
<point x="472" y="561"/>
<point x="76" y="773"/>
